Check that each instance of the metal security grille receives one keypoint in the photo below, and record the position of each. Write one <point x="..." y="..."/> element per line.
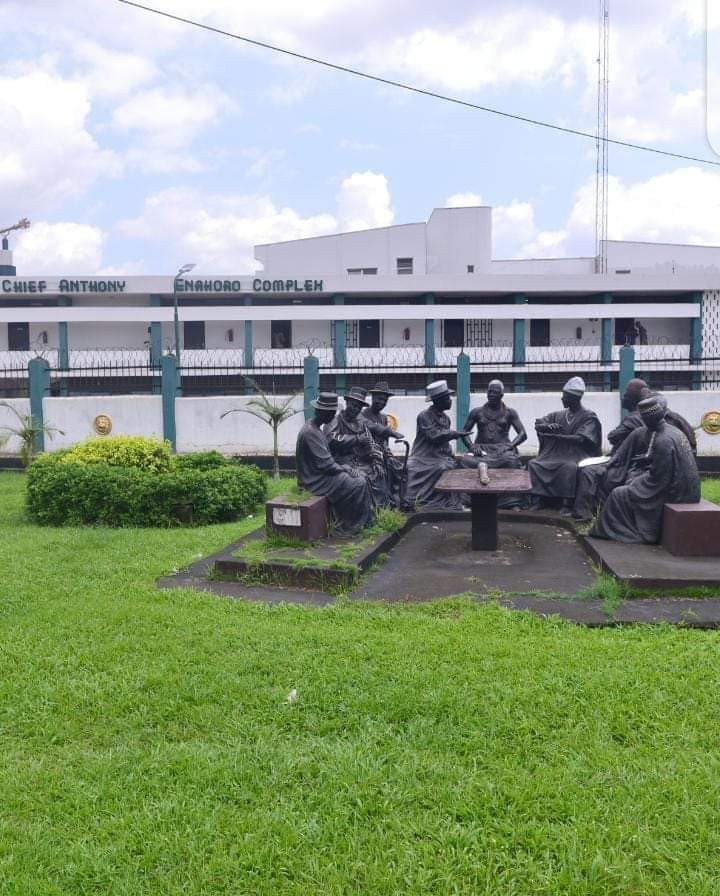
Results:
<point x="478" y="332"/>
<point x="351" y="334"/>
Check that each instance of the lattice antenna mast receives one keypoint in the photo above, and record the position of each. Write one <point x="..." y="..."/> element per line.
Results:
<point x="601" y="140"/>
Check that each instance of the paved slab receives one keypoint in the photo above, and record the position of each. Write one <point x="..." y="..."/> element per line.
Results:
<point x="650" y="566"/>
<point x="434" y="560"/>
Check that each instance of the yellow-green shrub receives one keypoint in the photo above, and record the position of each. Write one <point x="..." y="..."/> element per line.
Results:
<point x="139" y="452"/>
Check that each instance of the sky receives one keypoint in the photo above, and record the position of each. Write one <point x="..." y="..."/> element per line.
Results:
<point x="136" y="144"/>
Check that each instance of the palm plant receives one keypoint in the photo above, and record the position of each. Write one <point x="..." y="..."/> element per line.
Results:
<point x="265" y="408"/>
<point x="27" y="429"/>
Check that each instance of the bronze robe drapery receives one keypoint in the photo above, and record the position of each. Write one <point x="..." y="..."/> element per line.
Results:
<point x="633" y="512"/>
<point x="431" y="455"/>
<point x="349" y="495"/>
<point x="553" y="472"/>
<point x="345" y="440"/>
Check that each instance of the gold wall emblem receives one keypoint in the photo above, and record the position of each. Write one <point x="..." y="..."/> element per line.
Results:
<point x="102" y="425"/>
<point x="710" y="423"/>
<point x="393" y="422"/>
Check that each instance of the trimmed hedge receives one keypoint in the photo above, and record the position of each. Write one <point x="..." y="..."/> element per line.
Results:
<point x="65" y="493"/>
<point x="122" y="451"/>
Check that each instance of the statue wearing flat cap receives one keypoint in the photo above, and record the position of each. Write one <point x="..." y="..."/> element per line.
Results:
<point x="565" y="438"/>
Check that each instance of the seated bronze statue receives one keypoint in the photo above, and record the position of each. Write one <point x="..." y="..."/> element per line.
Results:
<point x="380" y="429"/>
<point x="492" y="423"/>
<point x="664" y="473"/>
<point x="432" y="453"/>
<point x="565" y="438"/>
<point x="346" y="489"/>
<point x="352" y="445"/>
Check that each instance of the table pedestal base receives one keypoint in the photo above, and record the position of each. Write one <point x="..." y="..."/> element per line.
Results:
<point x="484" y="524"/>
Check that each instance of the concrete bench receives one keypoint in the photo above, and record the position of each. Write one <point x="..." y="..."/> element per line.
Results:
<point x="692" y="530"/>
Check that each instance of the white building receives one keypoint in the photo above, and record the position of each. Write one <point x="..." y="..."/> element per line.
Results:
<point x="406" y="299"/>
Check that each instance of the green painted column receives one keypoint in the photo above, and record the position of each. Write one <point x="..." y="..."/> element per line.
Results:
<point x="63" y="345"/>
<point x="519" y="344"/>
<point x="430" y="334"/>
<point x="155" y="334"/>
<point x="696" y="342"/>
<point x="627" y="371"/>
<point x="462" y="402"/>
<point x="606" y="343"/>
<point x="311" y="383"/>
<point x="170" y="388"/>
<point x="39" y="387"/>
<point x="248" y="348"/>
<point x="340" y="347"/>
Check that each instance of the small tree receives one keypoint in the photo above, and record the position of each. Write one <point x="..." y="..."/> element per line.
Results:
<point x="27" y="430"/>
<point x="264" y="407"/>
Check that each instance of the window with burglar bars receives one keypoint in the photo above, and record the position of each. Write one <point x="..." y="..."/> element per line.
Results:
<point x="351" y="334"/>
<point x="478" y="332"/>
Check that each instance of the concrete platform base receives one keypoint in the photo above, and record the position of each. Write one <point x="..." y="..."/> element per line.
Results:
<point x="651" y="567"/>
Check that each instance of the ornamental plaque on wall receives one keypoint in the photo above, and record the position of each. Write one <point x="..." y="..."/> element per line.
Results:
<point x="102" y="425"/>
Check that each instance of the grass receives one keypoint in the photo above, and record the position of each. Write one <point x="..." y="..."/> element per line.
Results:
<point x="711" y="490"/>
<point x="146" y="746"/>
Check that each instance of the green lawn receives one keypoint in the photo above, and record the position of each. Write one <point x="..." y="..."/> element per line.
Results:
<point x="145" y="746"/>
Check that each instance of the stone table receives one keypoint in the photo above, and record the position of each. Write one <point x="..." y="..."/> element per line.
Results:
<point x="483" y="499"/>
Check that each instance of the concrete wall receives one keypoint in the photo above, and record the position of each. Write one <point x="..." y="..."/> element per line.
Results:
<point x="199" y="427"/>
<point x="657" y="257"/>
<point x="131" y="415"/>
<point x="458" y="237"/>
<point x="8" y="418"/>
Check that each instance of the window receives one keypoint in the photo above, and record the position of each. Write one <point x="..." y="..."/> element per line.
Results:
<point x="479" y="332"/>
<point x="404" y="265"/>
<point x="18" y="337"/>
<point x="369" y="333"/>
<point x="453" y="332"/>
<point x="540" y="332"/>
<point x="362" y="271"/>
<point x="625" y="333"/>
<point x="194" y="334"/>
<point x="471" y="268"/>
<point x="280" y="334"/>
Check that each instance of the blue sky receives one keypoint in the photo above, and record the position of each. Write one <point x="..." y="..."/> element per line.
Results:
<point x="135" y="144"/>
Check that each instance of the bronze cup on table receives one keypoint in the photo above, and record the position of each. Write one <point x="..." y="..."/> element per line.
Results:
<point x="483" y="474"/>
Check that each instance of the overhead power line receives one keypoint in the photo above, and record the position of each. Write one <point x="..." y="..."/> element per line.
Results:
<point x="418" y="90"/>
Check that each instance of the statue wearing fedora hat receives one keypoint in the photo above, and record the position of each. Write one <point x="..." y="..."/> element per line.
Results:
<point x="352" y="445"/>
<point x="347" y="491"/>
<point x="380" y="429"/>
<point x="566" y="437"/>
<point x="432" y="453"/>
<point x="665" y="473"/>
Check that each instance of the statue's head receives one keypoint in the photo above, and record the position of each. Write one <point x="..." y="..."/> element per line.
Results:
<point x="439" y="394"/>
<point x="652" y="410"/>
<point x="573" y="391"/>
<point x="355" y="401"/>
<point x="495" y="392"/>
<point x="325" y="407"/>
<point x="633" y="393"/>
<point x="379" y="395"/>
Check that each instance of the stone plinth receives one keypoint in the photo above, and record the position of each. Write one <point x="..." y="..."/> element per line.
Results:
<point x="303" y="520"/>
<point x="692" y="530"/>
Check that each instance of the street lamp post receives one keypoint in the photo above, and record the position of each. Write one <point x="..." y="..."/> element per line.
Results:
<point x="176" y="319"/>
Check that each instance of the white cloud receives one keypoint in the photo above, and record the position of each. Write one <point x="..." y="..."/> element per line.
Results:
<point x="547" y="244"/>
<point x="63" y="247"/>
<point x="463" y="200"/>
<point x="364" y="201"/>
<point x="47" y="152"/>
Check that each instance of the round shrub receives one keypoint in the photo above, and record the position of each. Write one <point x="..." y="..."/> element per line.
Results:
<point x="122" y="451"/>
<point x="61" y="492"/>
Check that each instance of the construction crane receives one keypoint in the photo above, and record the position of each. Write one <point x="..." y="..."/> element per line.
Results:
<point x="601" y="139"/>
<point x="22" y="224"/>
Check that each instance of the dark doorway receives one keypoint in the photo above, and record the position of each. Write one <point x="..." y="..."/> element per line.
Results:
<point x="540" y="332"/>
<point x="369" y="334"/>
<point x="625" y="331"/>
<point x="280" y="334"/>
<point x="194" y="333"/>
<point x="19" y="337"/>
<point x="454" y="333"/>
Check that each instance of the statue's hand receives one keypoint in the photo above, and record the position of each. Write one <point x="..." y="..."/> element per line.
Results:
<point x="478" y="452"/>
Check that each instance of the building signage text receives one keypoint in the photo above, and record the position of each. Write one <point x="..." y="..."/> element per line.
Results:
<point x="258" y="285"/>
<point x="64" y="286"/>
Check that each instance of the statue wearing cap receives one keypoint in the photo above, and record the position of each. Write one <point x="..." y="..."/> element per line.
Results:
<point x="492" y="423"/>
<point x="565" y="438"/>
<point x="432" y="453"/>
<point x="629" y="440"/>
<point x="666" y="473"/>
<point x="380" y="429"/>
<point x="347" y="491"/>
<point x="352" y="445"/>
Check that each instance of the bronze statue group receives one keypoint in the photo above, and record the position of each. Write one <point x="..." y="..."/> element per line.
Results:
<point x="345" y="456"/>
